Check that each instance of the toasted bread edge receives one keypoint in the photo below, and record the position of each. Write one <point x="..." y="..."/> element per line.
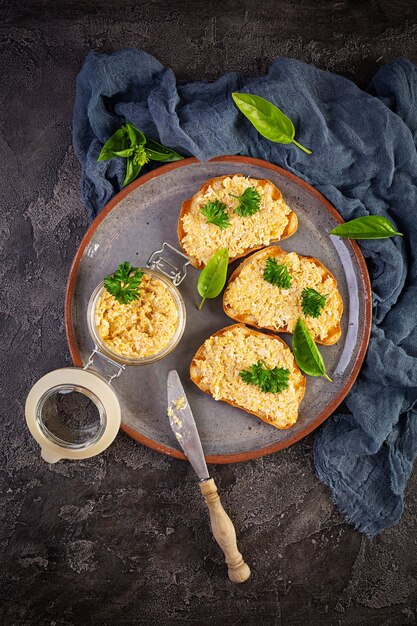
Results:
<point x="200" y="355"/>
<point x="289" y="230"/>
<point x="334" y="333"/>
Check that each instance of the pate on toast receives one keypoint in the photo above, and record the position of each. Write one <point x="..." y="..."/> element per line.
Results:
<point x="217" y="363"/>
<point x="251" y="299"/>
<point x="199" y="240"/>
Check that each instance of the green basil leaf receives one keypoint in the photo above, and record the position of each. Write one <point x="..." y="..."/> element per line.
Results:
<point x="136" y="137"/>
<point x="367" y="227"/>
<point x="132" y="171"/>
<point x="268" y="119"/>
<point x="118" y="141"/>
<point x="128" y="142"/>
<point x="157" y="152"/>
<point x="105" y="154"/>
<point x="124" y="153"/>
<point x="306" y="353"/>
<point x="213" y="277"/>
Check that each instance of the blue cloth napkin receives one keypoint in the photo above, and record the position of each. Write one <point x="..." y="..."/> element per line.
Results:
<point x="364" y="161"/>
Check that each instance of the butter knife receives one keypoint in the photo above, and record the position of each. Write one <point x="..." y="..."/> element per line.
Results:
<point x="185" y="429"/>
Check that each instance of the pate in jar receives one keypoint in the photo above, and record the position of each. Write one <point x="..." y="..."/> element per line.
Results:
<point x="142" y="330"/>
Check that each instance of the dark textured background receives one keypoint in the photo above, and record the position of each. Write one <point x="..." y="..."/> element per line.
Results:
<point x="123" y="538"/>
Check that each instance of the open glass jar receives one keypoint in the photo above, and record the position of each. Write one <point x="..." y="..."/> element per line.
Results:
<point x="74" y="413"/>
<point x="172" y="340"/>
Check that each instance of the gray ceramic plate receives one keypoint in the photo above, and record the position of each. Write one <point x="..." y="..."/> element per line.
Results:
<point x="134" y="224"/>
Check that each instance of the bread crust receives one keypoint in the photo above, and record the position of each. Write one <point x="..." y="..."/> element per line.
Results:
<point x="200" y="355"/>
<point x="290" y="228"/>
<point x="275" y="251"/>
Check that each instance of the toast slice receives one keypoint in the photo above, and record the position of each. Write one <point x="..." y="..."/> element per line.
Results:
<point x="249" y="298"/>
<point x="200" y="240"/>
<point x="216" y="365"/>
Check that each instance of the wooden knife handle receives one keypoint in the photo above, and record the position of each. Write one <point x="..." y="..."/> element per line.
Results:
<point x="224" y="532"/>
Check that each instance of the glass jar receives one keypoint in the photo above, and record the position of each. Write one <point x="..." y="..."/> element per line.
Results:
<point x="74" y="412"/>
<point x="131" y="360"/>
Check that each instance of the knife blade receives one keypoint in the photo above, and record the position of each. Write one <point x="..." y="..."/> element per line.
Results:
<point x="185" y="429"/>
<point x="184" y="426"/>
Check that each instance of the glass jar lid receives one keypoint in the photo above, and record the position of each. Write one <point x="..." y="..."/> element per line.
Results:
<point x="73" y="414"/>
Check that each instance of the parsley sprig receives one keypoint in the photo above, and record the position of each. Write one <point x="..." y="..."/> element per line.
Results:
<point x="216" y="213"/>
<point x="123" y="285"/>
<point x="277" y="274"/>
<point x="312" y="302"/>
<point x="272" y="380"/>
<point x="249" y="202"/>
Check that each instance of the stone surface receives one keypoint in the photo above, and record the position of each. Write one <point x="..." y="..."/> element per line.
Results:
<point x="123" y="539"/>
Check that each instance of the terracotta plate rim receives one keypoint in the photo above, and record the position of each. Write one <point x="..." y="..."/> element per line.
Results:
<point x="365" y="285"/>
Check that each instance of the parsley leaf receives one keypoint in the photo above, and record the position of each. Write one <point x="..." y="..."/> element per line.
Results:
<point x="216" y="213"/>
<point x="123" y="285"/>
<point x="277" y="274"/>
<point x="249" y="202"/>
<point x="270" y="381"/>
<point x="312" y="302"/>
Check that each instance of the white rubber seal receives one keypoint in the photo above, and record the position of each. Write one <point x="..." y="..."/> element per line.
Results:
<point x="51" y="451"/>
